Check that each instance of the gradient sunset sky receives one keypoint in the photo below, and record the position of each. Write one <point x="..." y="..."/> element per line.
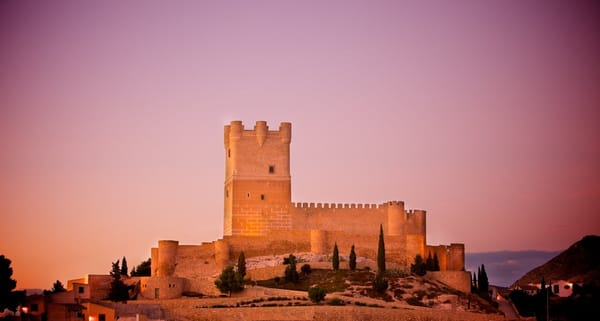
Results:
<point x="484" y="113"/>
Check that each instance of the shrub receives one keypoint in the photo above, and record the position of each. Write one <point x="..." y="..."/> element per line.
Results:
<point x="316" y="294"/>
<point x="306" y="269"/>
<point x="336" y="302"/>
<point x="291" y="275"/>
<point x="414" y="301"/>
<point x="229" y="281"/>
<point x="380" y="284"/>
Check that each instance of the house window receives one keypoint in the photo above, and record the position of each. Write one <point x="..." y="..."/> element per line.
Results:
<point x="102" y="317"/>
<point x="80" y="289"/>
<point x="34" y="307"/>
<point x="556" y="288"/>
<point x="262" y="197"/>
<point x="271" y="169"/>
<point x="248" y="195"/>
<point x="567" y="287"/>
<point x="228" y="152"/>
<point x="79" y="315"/>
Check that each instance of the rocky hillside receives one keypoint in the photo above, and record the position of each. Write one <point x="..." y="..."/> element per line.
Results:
<point x="580" y="263"/>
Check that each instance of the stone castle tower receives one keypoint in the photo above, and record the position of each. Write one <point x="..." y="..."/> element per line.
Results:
<point x="257" y="179"/>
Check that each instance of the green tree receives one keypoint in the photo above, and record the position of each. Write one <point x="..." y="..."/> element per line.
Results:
<point x="352" y="259"/>
<point x="335" y="260"/>
<point x="542" y="302"/>
<point x="291" y="274"/>
<point x="380" y="284"/>
<point x="305" y="269"/>
<point x="429" y="262"/>
<point x="436" y="262"/>
<point x="58" y="287"/>
<point x="143" y="269"/>
<point x="316" y="294"/>
<point x="483" y="281"/>
<point x="118" y="290"/>
<point x="229" y="281"/>
<point x="124" y="269"/>
<point x="474" y="286"/>
<point x="418" y="267"/>
<point x="7" y="284"/>
<point x="381" y="251"/>
<point x="241" y="267"/>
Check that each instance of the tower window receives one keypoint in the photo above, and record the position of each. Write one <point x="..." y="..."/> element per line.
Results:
<point x="248" y="195"/>
<point x="228" y="152"/>
<point x="271" y="169"/>
<point x="262" y="197"/>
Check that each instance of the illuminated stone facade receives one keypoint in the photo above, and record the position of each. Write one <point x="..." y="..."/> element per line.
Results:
<point x="261" y="219"/>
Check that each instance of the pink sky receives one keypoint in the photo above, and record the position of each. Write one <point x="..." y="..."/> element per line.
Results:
<point x="484" y="113"/>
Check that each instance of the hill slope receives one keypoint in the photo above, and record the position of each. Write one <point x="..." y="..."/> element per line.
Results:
<point x="579" y="263"/>
<point x="505" y="267"/>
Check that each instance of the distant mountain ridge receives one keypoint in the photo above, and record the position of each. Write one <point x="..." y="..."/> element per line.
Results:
<point x="505" y="267"/>
<point x="580" y="263"/>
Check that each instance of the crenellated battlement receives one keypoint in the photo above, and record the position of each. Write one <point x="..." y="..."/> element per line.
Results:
<point x="236" y="130"/>
<point x="308" y="206"/>
<point x="414" y="213"/>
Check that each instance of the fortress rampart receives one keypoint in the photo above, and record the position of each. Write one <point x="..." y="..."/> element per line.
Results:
<point x="261" y="219"/>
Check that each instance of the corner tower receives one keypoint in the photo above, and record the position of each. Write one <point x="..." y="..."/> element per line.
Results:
<point x="257" y="179"/>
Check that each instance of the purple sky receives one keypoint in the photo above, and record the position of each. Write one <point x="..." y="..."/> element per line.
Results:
<point x="484" y="113"/>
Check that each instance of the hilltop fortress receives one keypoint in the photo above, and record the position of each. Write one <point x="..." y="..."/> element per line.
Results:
<point x="261" y="220"/>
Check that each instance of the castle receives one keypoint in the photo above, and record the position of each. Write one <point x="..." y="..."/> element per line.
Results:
<point x="261" y="219"/>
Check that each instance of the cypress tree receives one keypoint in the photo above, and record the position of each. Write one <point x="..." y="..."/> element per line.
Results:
<point x="483" y="281"/>
<point x="241" y="268"/>
<point x="436" y="262"/>
<point x="381" y="252"/>
<point x="336" y="258"/>
<point x="429" y="262"/>
<point x="291" y="275"/>
<point x="118" y="290"/>
<point x="124" y="269"/>
<point x="352" y="259"/>
<point x="419" y="267"/>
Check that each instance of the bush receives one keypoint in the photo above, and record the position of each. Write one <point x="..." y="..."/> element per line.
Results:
<point x="291" y="275"/>
<point x="229" y="281"/>
<point x="336" y="302"/>
<point x="306" y="269"/>
<point x="316" y="294"/>
<point x="415" y="301"/>
<point x="380" y="284"/>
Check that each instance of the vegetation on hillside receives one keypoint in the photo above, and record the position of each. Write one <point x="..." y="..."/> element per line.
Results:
<point x="119" y="292"/>
<point x="143" y="269"/>
<point x="229" y="281"/>
<point x="8" y="298"/>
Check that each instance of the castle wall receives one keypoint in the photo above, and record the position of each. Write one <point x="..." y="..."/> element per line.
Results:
<point x="456" y="257"/>
<point x="275" y="243"/>
<point x="442" y="253"/>
<point x="162" y="287"/>
<point x="350" y="218"/>
<point x="459" y="280"/>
